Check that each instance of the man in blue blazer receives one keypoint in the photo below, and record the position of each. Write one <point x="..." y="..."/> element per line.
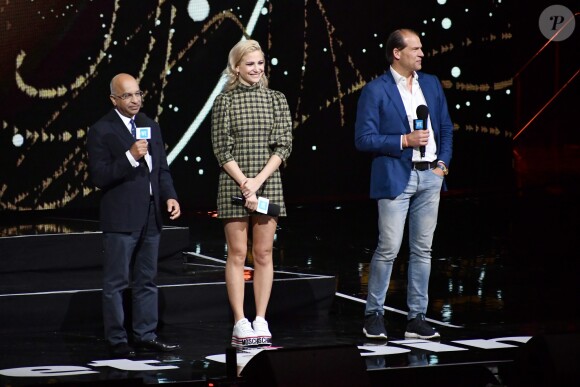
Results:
<point x="134" y="180"/>
<point x="407" y="173"/>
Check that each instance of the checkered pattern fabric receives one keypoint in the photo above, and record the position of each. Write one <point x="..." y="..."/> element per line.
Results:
<point x="249" y="124"/>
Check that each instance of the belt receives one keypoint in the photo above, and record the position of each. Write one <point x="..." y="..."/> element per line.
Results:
<point x="425" y="165"/>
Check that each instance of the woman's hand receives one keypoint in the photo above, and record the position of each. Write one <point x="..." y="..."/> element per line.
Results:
<point x="250" y="186"/>
<point x="251" y="202"/>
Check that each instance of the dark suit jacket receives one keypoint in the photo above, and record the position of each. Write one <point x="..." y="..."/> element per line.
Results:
<point x="381" y="120"/>
<point x="125" y="189"/>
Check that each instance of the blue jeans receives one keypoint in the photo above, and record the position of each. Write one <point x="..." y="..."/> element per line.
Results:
<point x="420" y="200"/>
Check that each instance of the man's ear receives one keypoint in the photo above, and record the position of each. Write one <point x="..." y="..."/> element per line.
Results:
<point x="396" y="53"/>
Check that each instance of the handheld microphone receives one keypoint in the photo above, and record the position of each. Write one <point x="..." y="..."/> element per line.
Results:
<point x="143" y="132"/>
<point x="421" y="123"/>
<point x="264" y="205"/>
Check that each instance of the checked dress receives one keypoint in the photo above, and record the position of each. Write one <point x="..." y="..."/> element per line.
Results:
<point x="250" y="124"/>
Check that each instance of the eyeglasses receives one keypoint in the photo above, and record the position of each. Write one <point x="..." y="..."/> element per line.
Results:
<point x="125" y="96"/>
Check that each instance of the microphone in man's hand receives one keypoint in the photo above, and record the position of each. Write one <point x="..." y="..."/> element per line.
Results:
<point x="421" y="123"/>
<point x="264" y="205"/>
<point x="143" y="132"/>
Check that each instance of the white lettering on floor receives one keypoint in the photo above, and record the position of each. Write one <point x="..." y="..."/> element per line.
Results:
<point x="244" y="356"/>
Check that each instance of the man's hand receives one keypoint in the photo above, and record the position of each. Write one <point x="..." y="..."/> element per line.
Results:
<point x="417" y="138"/>
<point x="173" y="209"/>
<point x="138" y="149"/>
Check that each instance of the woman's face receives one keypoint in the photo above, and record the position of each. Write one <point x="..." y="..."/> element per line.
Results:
<point x="251" y="67"/>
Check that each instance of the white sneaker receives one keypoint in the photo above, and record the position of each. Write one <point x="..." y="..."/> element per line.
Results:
<point x="262" y="332"/>
<point x="243" y="334"/>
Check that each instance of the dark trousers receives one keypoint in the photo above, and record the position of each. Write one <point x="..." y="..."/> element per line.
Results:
<point x="131" y="258"/>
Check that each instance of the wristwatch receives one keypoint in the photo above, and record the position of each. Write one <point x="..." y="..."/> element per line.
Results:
<point x="441" y="165"/>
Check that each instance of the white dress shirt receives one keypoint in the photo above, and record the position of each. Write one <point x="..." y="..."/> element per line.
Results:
<point x="412" y="99"/>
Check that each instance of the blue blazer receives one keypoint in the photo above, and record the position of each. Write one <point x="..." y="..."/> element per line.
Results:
<point x="381" y="120"/>
<point x="125" y="190"/>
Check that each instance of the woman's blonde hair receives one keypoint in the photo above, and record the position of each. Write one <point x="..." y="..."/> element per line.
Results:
<point x="237" y="52"/>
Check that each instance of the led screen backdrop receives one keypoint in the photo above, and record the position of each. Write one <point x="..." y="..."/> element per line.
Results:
<point x="58" y="58"/>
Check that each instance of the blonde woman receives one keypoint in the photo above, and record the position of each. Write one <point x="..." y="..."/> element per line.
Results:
<point x="252" y="137"/>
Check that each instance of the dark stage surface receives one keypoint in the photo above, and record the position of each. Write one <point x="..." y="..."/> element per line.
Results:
<point x="504" y="269"/>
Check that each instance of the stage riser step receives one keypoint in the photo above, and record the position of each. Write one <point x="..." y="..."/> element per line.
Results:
<point x="178" y="304"/>
<point x="72" y="251"/>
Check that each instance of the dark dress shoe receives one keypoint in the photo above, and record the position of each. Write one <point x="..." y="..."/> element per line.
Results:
<point x="122" y="350"/>
<point x="155" y="346"/>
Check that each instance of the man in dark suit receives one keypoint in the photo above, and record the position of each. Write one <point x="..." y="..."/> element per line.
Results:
<point x="135" y="181"/>
<point x="404" y="180"/>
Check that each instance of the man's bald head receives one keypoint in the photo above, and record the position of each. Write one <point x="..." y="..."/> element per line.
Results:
<point x="125" y="94"/>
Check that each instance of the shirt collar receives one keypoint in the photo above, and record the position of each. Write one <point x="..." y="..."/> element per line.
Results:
<point x="126" y="120"/>
<point x="401" y="79"/>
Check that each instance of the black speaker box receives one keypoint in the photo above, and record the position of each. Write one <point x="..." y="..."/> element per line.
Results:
<point x="312" y="366"/>
<point x="549" y="360"/>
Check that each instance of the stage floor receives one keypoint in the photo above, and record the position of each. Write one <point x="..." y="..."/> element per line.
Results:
<point x="504" y="270"/>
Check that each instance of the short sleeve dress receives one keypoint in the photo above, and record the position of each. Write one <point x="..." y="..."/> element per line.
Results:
<point x="249" y="124"/>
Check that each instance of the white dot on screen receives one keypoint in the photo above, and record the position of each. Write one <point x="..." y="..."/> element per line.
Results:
<point x="200" y="172"/>
<point x="186" y="158"/>
<point x="364" y="50"/>
<point x="441" y="2"/>
<point x="446" y="23"/>
<point x="285" y="72"/>
<point x="458" y="106"/>
<point x="198" y="159"/>
<point x="264" y="10"/>
<point x="508" y="92"/>
<point x="488" y="115"/>
<point x="274" y="61"/>
<point x="313" y="147"/>
<point x="198" y="10"/>
<point x="455" y="72"/>
<point x="487" y="97"/>
<point x="467" y="103"/>
<point x="176" y="109"/>
<point x="17" y="140"/>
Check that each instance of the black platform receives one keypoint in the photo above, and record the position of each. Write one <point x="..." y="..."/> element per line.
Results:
<point x="505" y="313"/>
